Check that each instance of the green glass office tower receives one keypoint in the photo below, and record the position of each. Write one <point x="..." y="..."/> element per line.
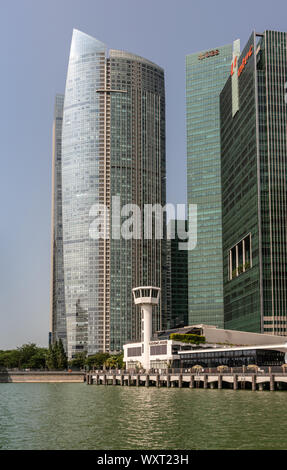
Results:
<point x="177" y="277"/>
<point x="206" y="74"/>
<point x="112" y="144"/>
<point x="254" y="151"/>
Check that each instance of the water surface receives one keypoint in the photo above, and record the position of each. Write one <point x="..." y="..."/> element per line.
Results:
<point x="77" y="416"/>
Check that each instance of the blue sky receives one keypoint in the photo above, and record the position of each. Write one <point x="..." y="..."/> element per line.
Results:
<point x="35" y="40"/>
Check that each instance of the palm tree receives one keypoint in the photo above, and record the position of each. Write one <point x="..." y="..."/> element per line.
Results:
<point x="197" y="367"/>
<point x="111" y="363"/>
<point x="222" y="368"/>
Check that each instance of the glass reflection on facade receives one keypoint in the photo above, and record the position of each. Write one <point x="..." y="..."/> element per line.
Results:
<point x="58" y="317"/>
<point x="235" y="358"/>
<point x="82" y="162"/>
<point x="254" y="151"/>
<point x="206" y="74"/>
<point x="113" y="144"/>
<point x="137" y="174"/>
<point x="177" y="275"/>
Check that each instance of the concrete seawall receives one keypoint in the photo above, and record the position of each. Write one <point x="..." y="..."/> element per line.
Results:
<point x="41" y="377"/>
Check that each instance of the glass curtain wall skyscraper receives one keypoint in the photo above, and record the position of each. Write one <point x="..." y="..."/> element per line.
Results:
<point x="206" y="74"/>
<point x="177" y="275"/>
<point x="113" y="144"/>
<point x="58" y="318"/>
<point x="254" y="178"/>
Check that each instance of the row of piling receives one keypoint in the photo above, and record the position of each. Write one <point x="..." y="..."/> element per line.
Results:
<point x="192" y="381"/>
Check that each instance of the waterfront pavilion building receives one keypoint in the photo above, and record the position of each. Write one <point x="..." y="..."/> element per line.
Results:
<point x="112" y="143"/>
<point x="254" y="155"/>
<point x="206" y="74"/>
<point x="221" y="347"/>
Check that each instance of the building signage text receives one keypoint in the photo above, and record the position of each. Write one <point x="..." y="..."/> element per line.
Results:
<point x="208" y="54"/>
<point x="243" y="63"/>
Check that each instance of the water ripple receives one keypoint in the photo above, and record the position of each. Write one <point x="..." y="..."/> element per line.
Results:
<point x="75" y="416"/>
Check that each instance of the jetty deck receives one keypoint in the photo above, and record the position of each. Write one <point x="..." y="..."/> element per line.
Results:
<point x="261" y="380"/>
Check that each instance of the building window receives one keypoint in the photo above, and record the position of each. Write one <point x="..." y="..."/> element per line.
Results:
<point x="158" y="349"/>
<point x="154" y="293"/>
<point x="137" y="351"/>
<point x="240" y="257"/>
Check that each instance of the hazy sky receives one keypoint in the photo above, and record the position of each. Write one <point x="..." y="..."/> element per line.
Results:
<point x="35" y="40"/>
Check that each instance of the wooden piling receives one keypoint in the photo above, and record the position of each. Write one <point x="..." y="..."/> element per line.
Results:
<point x="147" y="380"/>
<point x="219" y="381"/>
<point x="191" y="383"/>
<point x="272" y="383"/>
<point x="157" y="380"/>
<point x="168" y="380"/>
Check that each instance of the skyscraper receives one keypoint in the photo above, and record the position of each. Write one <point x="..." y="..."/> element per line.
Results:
<point x="254" y="153"/>
<point x="177" y="277"/>
<point x="206" y="74"/>
<point x="58" y="318"/>
<point x="113" y="144"/>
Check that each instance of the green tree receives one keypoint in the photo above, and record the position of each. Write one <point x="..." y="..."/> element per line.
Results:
<point x="27" y="356"/>
<point x="97" y="360"/>
<point x="101" y="359"/>
<point x="79" y="360"/>
<point x="62" y="361"/>
<point x="38" y="360"/>
<point x="111" y="363"/>
<point x="10" y="359"/>
<point x="120" y="360"/>
<point x="26" y="352"/>
<point x="51" y="358"/>
<point x="56" y="356"/>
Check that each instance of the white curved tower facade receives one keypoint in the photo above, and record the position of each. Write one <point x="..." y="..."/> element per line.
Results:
<point x="113" y="144"/>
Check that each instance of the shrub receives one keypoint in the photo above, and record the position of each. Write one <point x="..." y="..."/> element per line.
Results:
<point x="187" y="338"/>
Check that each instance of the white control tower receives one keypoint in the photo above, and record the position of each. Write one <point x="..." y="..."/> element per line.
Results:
<point x="146" y="297"/>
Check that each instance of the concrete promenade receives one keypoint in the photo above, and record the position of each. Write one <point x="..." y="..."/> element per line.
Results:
<point x="235" y="380"/>
<point x="7" y="376"/>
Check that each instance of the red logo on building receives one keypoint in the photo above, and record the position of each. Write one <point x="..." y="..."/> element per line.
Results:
<point x="243" y="63"/>
<point x="233" y="65"/>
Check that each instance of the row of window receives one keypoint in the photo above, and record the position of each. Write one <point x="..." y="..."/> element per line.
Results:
<point x="240" y="257"/>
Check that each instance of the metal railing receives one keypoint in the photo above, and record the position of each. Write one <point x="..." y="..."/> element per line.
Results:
<point x="205" y="370"/>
